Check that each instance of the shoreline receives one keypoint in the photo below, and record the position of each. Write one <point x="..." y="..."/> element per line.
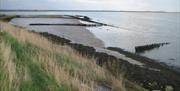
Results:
<point x="147" y="77"/>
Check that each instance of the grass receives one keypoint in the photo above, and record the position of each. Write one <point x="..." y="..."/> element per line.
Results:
<point x="7" y="18"/>
<point x="29" y="62"/>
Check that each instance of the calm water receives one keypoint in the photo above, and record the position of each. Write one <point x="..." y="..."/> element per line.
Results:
<point x="135" y="29"/>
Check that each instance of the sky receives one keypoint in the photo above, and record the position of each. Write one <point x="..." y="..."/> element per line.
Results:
<point x="127" y="5"/>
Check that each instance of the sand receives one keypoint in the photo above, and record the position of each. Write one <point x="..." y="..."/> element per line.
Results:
<point x="77" y="34"/>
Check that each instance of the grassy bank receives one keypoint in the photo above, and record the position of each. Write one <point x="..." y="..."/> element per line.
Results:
<point x="29" y="62"/>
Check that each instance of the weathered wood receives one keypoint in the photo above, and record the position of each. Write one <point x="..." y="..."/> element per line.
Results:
<point x="143" y="48"/>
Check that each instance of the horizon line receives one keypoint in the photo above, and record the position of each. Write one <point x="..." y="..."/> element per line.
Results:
<point x="90" y="10"/>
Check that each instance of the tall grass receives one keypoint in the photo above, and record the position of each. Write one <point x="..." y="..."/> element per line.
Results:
<point x="30" y="62"/>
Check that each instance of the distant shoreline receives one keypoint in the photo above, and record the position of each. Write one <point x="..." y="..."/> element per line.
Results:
<point x="8" y="10"/>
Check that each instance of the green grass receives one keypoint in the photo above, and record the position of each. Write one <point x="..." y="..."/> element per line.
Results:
<point x="24" y="57"/>
<point x="23" y="54"/>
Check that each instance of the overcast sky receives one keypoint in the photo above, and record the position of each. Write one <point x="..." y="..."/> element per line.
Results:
<point x="137" y="5"/>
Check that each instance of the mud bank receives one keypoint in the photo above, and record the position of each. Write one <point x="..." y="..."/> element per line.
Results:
<point x="154" y="76"/>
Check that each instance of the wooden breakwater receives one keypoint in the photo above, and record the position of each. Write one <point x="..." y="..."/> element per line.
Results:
<point x="64" y="24"/>
<point x="143" y="48"/>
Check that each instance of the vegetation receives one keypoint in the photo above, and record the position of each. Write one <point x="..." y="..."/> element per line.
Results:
<point x="29" y="62"/>
<point x="7" y="18"/>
